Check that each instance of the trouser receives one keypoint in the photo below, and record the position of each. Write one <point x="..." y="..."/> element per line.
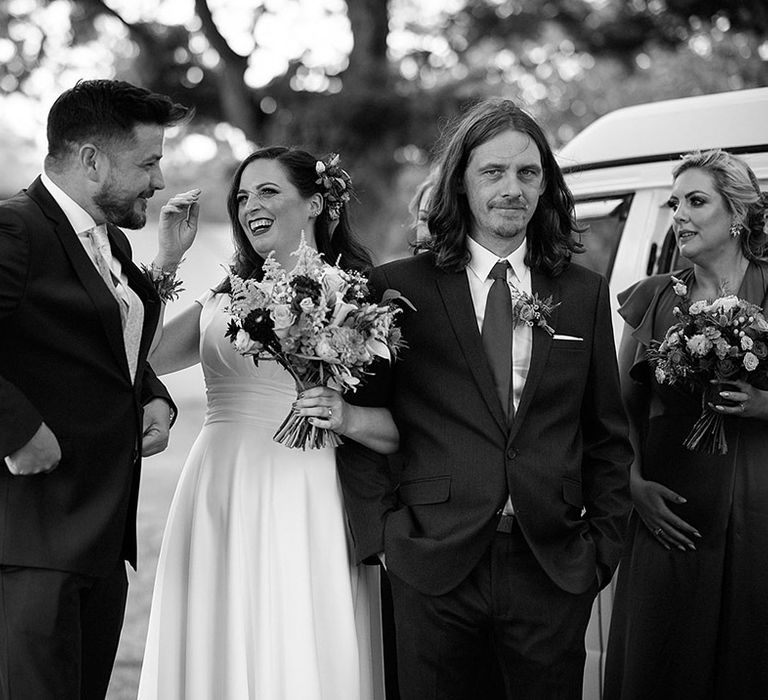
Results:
<point x="59" y="632"/>
<point x="507" y="607"/>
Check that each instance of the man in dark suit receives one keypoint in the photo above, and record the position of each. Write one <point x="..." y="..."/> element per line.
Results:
<point x="513" y="495"/>
<point x="79" y="406"/>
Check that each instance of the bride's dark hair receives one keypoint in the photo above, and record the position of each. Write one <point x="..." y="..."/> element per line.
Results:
<point x="334" y="237"/>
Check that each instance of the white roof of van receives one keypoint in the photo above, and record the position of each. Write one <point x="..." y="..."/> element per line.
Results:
<point x="725" y="120"/>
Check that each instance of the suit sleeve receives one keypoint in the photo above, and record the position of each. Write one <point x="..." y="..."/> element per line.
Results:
<point x="365" y="475"/>
<point x="607" y="451"/>
<point x="19" y="419"/>
<point x="153" y="388"/>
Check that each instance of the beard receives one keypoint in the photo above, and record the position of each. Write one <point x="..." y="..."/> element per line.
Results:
<point x="118" y="209"/>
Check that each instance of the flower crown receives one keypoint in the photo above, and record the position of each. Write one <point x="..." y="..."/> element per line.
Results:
<point x="336" y="183"/>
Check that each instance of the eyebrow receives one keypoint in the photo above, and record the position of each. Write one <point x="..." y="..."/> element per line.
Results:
<point x="261" y="184"/>
<point x="672" y="195"/>
<point x="493" y="164"/>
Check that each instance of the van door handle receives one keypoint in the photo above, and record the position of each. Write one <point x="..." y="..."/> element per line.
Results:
<point x="651" y="260"/>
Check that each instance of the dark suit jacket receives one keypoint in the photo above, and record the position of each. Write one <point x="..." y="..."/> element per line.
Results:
<point x="564" y="460"/>
<point x="62" y="361"/>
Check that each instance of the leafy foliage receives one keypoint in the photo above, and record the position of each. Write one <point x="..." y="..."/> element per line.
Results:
<point x="568" y="61"/>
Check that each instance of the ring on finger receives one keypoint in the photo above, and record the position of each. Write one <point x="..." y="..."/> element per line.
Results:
<point x="658" y="531"/>
<point x="330" y="413"/>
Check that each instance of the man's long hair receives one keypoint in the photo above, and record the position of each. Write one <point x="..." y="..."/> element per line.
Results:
<point x="551" y="230"/>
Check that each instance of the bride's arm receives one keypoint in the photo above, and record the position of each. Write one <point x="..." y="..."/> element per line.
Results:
<point x="177" y="345"/>
<point x="176" y="233"/>
<point x="372" y="427"/>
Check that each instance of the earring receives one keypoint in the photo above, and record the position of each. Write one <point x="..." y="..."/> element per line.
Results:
<point x="735" y="230"/>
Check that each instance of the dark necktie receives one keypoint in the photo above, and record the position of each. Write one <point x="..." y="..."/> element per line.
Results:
<point x="497" y="334"/>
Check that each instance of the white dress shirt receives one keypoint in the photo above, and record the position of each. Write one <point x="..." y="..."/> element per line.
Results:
<point x="518" y="277"/>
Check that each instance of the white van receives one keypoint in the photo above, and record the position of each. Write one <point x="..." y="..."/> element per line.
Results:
<point x="620" y="172"/>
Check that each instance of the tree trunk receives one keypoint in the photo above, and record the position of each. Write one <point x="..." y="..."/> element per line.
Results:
<point x="235" y="96"/>
<point x="368" y="65"/>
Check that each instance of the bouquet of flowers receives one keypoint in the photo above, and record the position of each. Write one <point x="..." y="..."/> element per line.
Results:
<point x="318" y="323"/>
<point x="713" y="342"/>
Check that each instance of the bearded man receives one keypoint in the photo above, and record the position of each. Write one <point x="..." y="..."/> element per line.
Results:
<point x="79" y="405"/>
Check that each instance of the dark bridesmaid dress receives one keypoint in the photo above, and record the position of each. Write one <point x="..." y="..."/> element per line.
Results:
<point x="693" y="625"/>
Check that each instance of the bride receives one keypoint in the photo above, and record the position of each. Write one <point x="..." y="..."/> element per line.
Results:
<point x="256" y="595"/>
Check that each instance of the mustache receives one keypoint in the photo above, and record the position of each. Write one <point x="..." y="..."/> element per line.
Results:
<point x="516" y="203"/>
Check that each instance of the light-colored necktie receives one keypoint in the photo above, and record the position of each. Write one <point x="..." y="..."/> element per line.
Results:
<point x="131" y="307"/>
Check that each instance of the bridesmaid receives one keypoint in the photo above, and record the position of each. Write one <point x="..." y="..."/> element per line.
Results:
<point x="690" y="618"/>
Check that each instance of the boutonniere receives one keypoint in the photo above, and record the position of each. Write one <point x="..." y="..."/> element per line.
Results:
<point x="530" y="310"/>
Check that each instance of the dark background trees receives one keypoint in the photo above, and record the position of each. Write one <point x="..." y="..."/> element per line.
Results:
<point x="383" y="102"/>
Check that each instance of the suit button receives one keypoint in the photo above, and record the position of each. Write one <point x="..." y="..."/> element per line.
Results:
<point x="512" y="453"/>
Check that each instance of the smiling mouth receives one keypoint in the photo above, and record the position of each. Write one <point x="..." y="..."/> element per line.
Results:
<point x="259" y="225"/>
<point x="683" y="236"/>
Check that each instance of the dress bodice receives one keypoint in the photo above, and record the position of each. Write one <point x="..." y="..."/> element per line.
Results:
<point x="236" y="389"/>
<point x="648" y="307"/>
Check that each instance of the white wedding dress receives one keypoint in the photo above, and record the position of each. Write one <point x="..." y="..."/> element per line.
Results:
<point x="255" y="595"/>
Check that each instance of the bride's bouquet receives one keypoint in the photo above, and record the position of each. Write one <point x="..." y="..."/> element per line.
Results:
<point x="712" y="343"/>
<point x="316" y="321"/>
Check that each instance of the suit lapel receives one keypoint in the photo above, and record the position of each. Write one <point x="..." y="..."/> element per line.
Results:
<point x="543" y="287"/>
<point x="104" y="303"/>
<point x="454" y="290"/>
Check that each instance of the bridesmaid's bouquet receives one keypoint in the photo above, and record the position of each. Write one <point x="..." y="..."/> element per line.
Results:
<point x="318" y="322"/>
<point x="712" y="343"/>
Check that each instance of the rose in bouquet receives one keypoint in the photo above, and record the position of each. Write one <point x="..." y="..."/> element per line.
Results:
<point x="712" y="343"/>
<point x="318" y="322"/>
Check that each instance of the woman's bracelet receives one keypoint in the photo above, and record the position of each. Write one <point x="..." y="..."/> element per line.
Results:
<point x="165" y="283"/>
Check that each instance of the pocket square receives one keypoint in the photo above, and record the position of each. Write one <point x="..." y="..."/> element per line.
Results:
<point x="557" y="336"/>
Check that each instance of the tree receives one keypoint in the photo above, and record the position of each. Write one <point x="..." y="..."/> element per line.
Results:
<point x="406" y="73"/>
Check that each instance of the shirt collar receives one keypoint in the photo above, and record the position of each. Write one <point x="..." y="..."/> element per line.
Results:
<point x="482" y="260"/>
<point x="80" y="220"/>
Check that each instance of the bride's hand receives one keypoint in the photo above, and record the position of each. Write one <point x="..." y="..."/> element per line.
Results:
<point x="324" y="407"/>
<point x="177" y="229"/>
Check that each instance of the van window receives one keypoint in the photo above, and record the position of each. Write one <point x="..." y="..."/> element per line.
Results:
<point x="605" y="219"/>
